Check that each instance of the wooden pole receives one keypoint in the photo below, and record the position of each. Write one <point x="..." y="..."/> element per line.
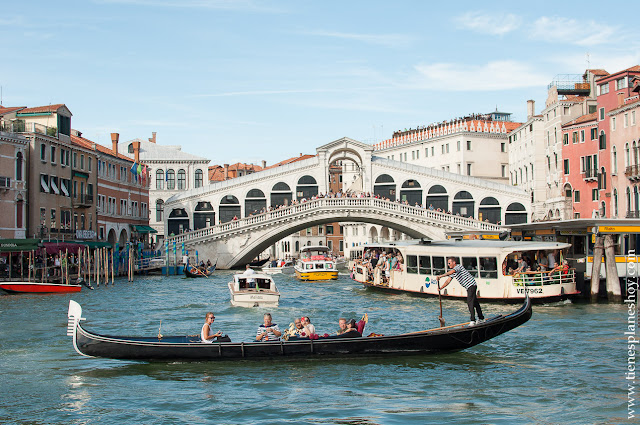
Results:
<point x="113" y="265"/>
<point x="21" y="266"/>
<point x="30" y="252"/>
<point x="96" y="259"/>
<point x="598" y="250"/>
<point x="613" y="281"/>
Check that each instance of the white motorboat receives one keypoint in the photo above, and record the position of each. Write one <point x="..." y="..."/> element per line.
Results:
<point x="282" y="267"/>
<point x="253" y="290"/>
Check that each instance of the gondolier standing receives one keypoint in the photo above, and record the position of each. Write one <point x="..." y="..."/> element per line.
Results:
<point x="468" y="282"/>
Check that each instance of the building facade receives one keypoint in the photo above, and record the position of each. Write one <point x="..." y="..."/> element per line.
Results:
<point x="171" y="171"/>
<point x="14" y="154"/>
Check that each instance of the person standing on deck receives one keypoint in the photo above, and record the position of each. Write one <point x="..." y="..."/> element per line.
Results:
<point x="469" y="283"/>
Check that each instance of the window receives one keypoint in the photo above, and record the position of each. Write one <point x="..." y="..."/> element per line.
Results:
<point x="329" y="230"/>
<point x="447" y="147"/>
<point x="426" y="152"/>
<point x="159" y="179"/>
<point x="130" y="148"/>
<point x="594" y="194"/>
<point x="626" y="120"/>
<point x="594" y="133"/>
<point x="614" y="160"/>
<point x="566" y="166"/>
<point x="75" y="160"/>
<point x="198" y="180"/>
<point x="405" y="156"/>
<point x="471" y="264"/>
<point x="504" y="170"/>
<point x="602" y="140"/>
<point x="468" y="145"/>
<point x="82" y="162"/>
<point x="468" y="169"/>
<point x="604" y="88"/>
<point x="53" y="154"/>
<point x="458" y="146"/>
<point x="413" y="154"/>
<point x="89" y="163"/>
<point x="412" y="264"/>
<point x="171" y="179"/>
<point x="438" y="265"/>
<point x="159" y="209"/>
<point x="489" y="267"/>
<point x="424" y="264"/>
<point x="574" y="137"/>
<point x="581" y="136"/>
<point x="613" y="123"/>
<point x="43" y="152"/>
<point x="182" y="179"/>
<point x="19" y="166"/>
<point x="433" y="150"/>
<point x="633" y="117"/>
<point x="565" y="139"/>
<point x="621" y="83"/>
<point x="601" y="114"/>
<point x="503" y="147"/>
<point x="576" y="196"/>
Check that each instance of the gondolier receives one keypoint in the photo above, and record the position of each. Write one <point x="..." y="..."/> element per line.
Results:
<point x="469" y="283"/>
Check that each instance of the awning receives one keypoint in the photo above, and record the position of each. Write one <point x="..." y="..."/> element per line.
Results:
<point x="63" y="186"/>
<point x="43" y="184"/>
<point x="54" y="187"/>
<point x="13" y="245"/>
<point x="92" y="244"/>
<point x="143" y="229"/>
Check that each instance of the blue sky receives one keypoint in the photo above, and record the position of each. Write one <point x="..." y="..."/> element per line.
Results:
<point x="244" y="80"/>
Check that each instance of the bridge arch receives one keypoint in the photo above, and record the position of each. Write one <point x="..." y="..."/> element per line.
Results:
<point x="385" y="187"/>
<point x="281" y="195"/>
<point x="254" y="202"/>
<point x="178" y="221"/>
<point x="463" y="204"/>
<point x="229" y="209"/>
<point x="306" y="188"/>
<point x="490" y="210"/>
<point x="438" y="198"/>
<point x="411" y="192"/>
<point x="204" y="215"/>
<point x="516" y="213"/>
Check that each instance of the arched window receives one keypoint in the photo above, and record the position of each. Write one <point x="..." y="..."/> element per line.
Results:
<point x="130" y="148"/>
<point x="635" y="154"/>
<point x="159" y="209"/>
<point x="614" y="159"/>
<point x="602" y="179"/>
<point x="198" y="180"/>
<point x="615" y="203"/>
<point x="160" y="179"/>
<point x="627" y="158"/>
<point x="171" y="179"/>
<point x="19" y="166"/>
<point x="602" y="140"/>
<point x="182" y="179"/>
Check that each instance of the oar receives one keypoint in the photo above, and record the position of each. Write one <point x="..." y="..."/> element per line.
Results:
<point x="440" y="318"/>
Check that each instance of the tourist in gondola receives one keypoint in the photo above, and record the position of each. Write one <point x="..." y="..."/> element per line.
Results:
<point x="342" y="325"/>
<point x="468" y="282"/>
<point x="351" y="330"/>
<point x="206" y="334"/>
<point x="268" y="331"/>
<point x="309" y="329"/>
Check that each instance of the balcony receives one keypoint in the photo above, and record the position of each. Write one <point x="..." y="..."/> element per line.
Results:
<point x="82" y="201"/>
<point x="20" y="126"/>
<point x="591" y="175"/>
<point x="632" y="214"/>
<point x="632" y="172"/>
<point x="570" y="84"/>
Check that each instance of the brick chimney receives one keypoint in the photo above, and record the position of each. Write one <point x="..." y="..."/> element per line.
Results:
<point x="531" y="108"/>
<point x="153" y="137"/>
<point x="114" y="142"/>
<point x="264" y="164"/>
<point x="136" y="152"/>
<point x="226" y="171"/>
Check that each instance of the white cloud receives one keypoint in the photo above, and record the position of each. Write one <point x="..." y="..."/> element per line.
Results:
<point x="498" y="75"/>
<point x="564" y="30"/>
<point x="388" y="40"/>
<point x="488" y="23"/>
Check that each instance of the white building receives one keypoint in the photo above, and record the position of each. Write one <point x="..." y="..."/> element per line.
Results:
<point x="170" y="171"/>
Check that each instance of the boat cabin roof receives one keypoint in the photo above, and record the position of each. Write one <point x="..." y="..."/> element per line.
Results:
<point x="315" y="248"/>
<point x="446" y="245"/>
<point x="262" y="281"/>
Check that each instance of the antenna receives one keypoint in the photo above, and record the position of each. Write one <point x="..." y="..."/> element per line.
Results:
<point x="588" y="60"/>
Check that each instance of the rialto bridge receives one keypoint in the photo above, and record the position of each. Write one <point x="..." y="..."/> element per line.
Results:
<point x="225" y="220"/>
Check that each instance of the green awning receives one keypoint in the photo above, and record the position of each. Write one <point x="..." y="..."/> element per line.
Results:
<point x="144" y="229"/>
<point x="92" y="244"/>
<point x="13" y="245"/>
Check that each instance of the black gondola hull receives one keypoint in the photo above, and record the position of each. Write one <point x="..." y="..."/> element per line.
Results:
<point x="448" y="339"/>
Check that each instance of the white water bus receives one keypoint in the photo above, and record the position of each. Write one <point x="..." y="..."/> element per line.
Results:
<point x="491" y="263"/>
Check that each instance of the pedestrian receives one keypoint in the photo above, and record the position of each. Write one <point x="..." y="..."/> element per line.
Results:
<point x="469" y="283"/>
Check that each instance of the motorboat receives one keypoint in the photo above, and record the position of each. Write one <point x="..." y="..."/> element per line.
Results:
<point x="316" y="263"/>
<point x="253" y="290"/>
<point x="279" y="267"/>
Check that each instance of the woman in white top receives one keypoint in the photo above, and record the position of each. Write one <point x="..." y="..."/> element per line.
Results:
<point x="206" y="334"/>
<point x="309" y="329"/>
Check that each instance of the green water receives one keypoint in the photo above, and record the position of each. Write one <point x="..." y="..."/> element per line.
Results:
<point x="566" y="365"/>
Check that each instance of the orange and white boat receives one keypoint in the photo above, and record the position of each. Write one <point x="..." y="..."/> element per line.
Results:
<point x="316" y="263"/>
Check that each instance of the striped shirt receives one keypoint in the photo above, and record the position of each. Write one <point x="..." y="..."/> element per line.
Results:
<point x="270" y="335"/>
<point x="464" y="277"/>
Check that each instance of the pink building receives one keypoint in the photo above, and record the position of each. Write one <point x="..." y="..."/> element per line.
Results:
<point x="579" y="165"/>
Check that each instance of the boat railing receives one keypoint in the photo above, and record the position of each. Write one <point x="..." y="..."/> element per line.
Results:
<point x="544" y="278"/>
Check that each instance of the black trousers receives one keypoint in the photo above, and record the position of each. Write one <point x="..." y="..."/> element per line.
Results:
<point x="473" y="303"/>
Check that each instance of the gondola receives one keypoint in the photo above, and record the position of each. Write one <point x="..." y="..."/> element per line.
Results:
<point x="190" y="348"/>
<point x="192" y="271"/>
<point x="38" y="287"/>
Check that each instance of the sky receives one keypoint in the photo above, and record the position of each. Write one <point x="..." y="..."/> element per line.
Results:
<point x="248" y="80"/>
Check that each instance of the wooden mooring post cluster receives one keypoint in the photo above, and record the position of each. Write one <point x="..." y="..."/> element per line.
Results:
<point x="604" y="247"/>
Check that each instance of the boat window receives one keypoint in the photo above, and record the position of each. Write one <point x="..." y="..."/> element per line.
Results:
<point x="319" y="265"/>
<point x="489" y="267"/>
<point x="438" y="265"/>
<point x="328" y="265"/>
<point x="471" y="264"/>
<point x="264" y="283"/>
<point x="425" y="264"/>
<point x="412" y="264"/>
<point x="308" y="266"/>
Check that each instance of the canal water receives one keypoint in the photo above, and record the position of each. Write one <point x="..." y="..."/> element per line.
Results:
<point x="565" y="366"/>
